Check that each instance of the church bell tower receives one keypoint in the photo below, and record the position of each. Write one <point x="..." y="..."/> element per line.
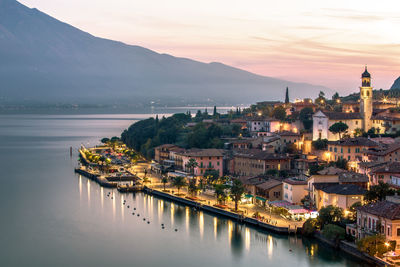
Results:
<point x="366" y="100"/>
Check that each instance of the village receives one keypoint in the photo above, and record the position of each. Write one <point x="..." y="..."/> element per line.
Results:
<point x="328" y="167"/>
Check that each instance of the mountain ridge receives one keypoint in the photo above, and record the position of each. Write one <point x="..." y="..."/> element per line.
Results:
<point x="396" y="84"/>
<point x="50" y="60"/>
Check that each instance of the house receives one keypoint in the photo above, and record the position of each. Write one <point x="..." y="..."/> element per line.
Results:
<point x="253" y="162"/>
<point x="206" y="159"/>
<point x="294" y="189"/>
<point x="298" y="105"/>
<point x="241" y="143"/>
<point x="323" y="187"/>
<point x="323" y="120"/>
<point x="290" y="138"/>
<point x="382" y="217"/>
<point x="241" y="122"/>
<point x="351" y="149"/>
<point x="263" y="124"/>
<point x="387" y="173"/>
<point x="271" y="144"/>
<point x="162" y="152"/>
<point x="384" y="153"/>
<point x="270" y="189"/>
<point x="302" y="165"/>
<point x="359" y="179"/>
<point x="338" y="195"/>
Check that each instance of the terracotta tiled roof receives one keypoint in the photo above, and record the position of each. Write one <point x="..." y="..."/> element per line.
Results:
<point x="287" y="133"/>
<point x="390" y="149"/>
<point x="165" y="146"/>
<point x="211" y="152"/>
<point x="353" y="177"/>
<point x="342" y="115"/>
<point x="385" y="209"/>
<point x="343" y="189"/>
<point x="391" y="167"/>
<point x="258" y="154"/>
<point x="331" y="171"/>
<point x="270" y="183"/>
<point x="356" y="141"/>
<point x="294" y="181"/>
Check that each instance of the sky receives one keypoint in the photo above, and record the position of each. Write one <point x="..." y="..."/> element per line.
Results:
<point x="320" y="42"/>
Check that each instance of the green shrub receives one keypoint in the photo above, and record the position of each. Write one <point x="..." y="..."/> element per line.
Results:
<point x="332" y="231"/>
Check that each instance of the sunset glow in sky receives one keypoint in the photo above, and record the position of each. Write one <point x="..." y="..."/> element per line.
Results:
<point x="320" y="42"/>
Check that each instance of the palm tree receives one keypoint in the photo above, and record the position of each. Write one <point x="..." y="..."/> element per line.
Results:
<point x="191" y="165"/>
<point x="192" y="187"/>
<point x="179" y="182"/>
<point x="219" y="190"/>
<point x="237" y="190"/>
<point x="164" y="180"/>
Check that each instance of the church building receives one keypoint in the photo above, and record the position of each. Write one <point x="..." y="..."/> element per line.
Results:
<point x="323" y="120"/>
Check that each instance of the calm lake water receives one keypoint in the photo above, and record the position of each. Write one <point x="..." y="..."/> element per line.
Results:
<point x="52" y="217"/>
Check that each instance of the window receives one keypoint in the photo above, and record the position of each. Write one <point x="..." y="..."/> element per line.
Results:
<point x="356" y="122"/>
<point x="348" y="157"/>
<point x="398" y="231"/>
<point x="341" y="150"/>
<point x="330" y="149"/>
<point x="218" y="163"/>
<point x="349" y="150"/>
<point x="335" y="149"/>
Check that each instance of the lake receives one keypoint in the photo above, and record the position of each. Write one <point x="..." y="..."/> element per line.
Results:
<point x="53" y="217"/>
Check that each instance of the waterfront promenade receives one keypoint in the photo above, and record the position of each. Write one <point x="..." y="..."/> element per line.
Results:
<point x="208" y="198"/>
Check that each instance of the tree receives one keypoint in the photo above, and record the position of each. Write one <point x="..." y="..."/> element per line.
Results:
<point x="353" y="210"/>
<point x="179" y="182"/>
<point x="215" y="114"/>
<point x="358" y="132"/>
<point x="191" y="165"/>
<point x="105" y="140"/>
<point x="310" y="226"/>
<point x="211" y="175"/>
<point x="374" y="245"/>
<point x="338" y="128"/>
<point x="378" y="192"/>
<point x="219" y="190"/>
<point x="287" y="96"/>
<point x="321" y="98"/>
<point x="320" y="144"/>
<point x="237" y="190"/>
<point x="335" y="96"/>
<point x="279" y="113"/>
<point x="272" y="172"/>
<point x="333" y="232"/>
<point x="192" y="187"/>
<point x="305" y="117"/>
<point x="164" y="181"/>
<point x="330" y="214"/>
<point x="341" y="163"/>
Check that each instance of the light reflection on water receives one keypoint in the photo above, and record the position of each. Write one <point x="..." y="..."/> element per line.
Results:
<point x="50" y="223"/>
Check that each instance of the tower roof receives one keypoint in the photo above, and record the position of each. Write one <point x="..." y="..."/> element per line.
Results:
<point x="366" y="73"/>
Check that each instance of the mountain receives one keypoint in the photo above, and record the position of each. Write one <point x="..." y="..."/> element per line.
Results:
<point x="396" y="84"/>
<point x="44" y="59"/>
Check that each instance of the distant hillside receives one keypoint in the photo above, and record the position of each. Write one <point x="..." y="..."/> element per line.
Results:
<point x="43" y="59"/>
<point x="396" y="84"/>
